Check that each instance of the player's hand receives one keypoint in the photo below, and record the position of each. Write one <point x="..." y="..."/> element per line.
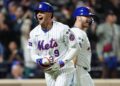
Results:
<point x="45" y="62"/>
<point x="51" y="59"/>
<point x="56" y="66"/>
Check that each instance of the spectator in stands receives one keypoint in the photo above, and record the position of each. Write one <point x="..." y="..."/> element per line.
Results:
<point x="115" y="6"/>
<point x="27" y="4"/>
<point x="6" y="34"/>
<point x="1" y="53"/>
<point x="17" y="70"/>
<point x="25" y="29"/>
<point x="108" y="46"/>
<point x="2" y="9"/>
<point x="82" y="3"/>
<point x="3" y="66"/>
<point x="12" y="7"/>
<point x="91" y="33"/>
<point x="67" y="12"/>
<point x="3" y="29"/>
<point x="14" y="53"/>
<point x="18" y="23"/>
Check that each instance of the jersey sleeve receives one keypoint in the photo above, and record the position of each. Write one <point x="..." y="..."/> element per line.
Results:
<point x="32" y="46"/>
<point x="79" y="37"/>
<point x="70" y="41"/>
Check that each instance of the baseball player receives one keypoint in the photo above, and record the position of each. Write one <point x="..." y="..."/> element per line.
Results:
<point x="83" y="19"/>
<point x="54" y="39"/>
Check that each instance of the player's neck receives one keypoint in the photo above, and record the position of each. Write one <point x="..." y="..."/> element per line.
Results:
<point x="47" y="25"/>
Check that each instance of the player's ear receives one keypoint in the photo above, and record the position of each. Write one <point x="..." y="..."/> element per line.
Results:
<point x="51" y="14"/>
<point x="79" y="18"/>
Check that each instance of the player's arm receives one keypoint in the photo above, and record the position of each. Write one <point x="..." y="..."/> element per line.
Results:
<point x="32" y="47"/>
<point x="78" y="44"/>
<point x="70" y="41"/>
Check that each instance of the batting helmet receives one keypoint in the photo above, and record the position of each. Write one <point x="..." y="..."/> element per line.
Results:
<point x="82" y="11"/>
<point x="44" y="7"/>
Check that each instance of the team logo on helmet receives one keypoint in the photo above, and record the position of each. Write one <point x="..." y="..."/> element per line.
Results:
<point x="40" y="6"/>
<point x="82" y="10"/>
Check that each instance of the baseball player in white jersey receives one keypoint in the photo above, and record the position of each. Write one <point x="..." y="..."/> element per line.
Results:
<point x="83" y="58"/>
<point x="54" y="39"/>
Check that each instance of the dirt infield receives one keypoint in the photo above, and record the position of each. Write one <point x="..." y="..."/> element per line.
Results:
<point x="41" y="82"/>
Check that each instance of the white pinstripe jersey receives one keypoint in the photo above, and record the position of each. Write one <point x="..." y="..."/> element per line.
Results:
<point x="56" y="42"/>
<point x="84" y="54"/>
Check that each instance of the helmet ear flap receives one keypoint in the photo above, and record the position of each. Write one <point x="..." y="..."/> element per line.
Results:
<point x="91" y="21"/>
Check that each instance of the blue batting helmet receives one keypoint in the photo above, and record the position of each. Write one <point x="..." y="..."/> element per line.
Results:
<point x="82" y="11"/>
<point x="44" y="7"/>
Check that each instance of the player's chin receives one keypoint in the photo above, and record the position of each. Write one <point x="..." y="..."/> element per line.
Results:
<point x="40" y="21"/>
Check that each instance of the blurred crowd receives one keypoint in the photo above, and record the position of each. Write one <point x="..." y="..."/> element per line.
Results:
<point x="17" y="20"/>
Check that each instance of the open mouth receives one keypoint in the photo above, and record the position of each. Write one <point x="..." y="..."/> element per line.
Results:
<point x="41" y="18"/>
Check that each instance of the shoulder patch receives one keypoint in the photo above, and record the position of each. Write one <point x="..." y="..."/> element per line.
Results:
<point x="71" y="37"/>
<point x="30" y="43"/>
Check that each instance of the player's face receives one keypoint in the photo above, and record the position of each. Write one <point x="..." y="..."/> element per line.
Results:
<point x="85" y="21"/>
<point x="43" y="17"/>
